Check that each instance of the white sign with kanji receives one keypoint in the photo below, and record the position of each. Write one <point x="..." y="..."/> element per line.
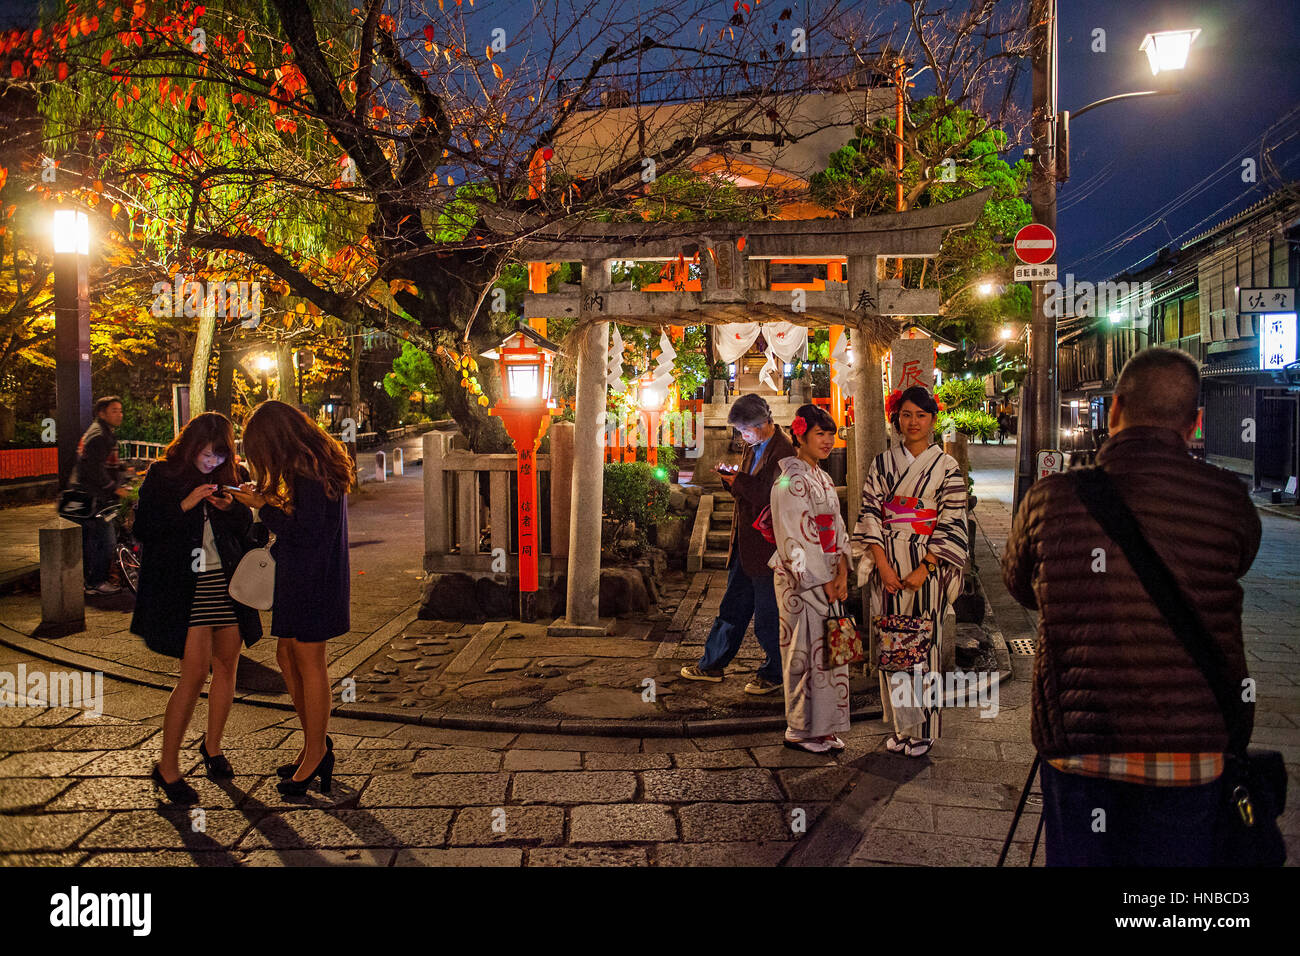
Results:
<point x="1266" y="300"/>
<point x="1043" y="273"/>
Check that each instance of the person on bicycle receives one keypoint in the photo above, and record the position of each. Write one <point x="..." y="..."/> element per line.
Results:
<point x="193" y="535"/>
<point x="98" y="473"/>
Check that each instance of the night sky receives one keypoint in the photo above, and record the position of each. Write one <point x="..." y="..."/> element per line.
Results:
<point x="1146" y="173"/>
<point x="1133" y="158"/>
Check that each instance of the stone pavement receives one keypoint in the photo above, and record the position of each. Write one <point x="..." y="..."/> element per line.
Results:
<point x="74" y="789"/>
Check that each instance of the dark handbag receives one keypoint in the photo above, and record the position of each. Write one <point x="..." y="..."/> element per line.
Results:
<point x="76" y="505"/>
<point x="1254" y="781"/>
<point x="843" y="643"/>
<point x="905" y="639"/>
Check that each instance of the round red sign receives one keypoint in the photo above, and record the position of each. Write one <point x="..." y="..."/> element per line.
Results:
<point x="1035" y="244"/>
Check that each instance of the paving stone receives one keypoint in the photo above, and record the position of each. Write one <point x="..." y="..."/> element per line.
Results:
<point x="430" y="642"/>
<point x="543" y="673"/>
<point x="783" y="756"/>
<point x="456" y="760"/>
<point x="563" y="661"/>
<point x="577" y="742"/>
<point x="168" y="828"/>
<point x="681" y="786"/>
<point x="956" y="793"/>
<point x="438" y="790"/>
<point x="495" y="687"/>
<point x="508" y="664"/>
<point x="375" y="679"/>
<point x="310" y="857"/>
<point x="343" y="793"/>
<point x="551" y="647"/>
<point x="490" y="739"/>
<point x="313" y="829"/>
<point x="512" y="703"/>
<point x="721" y="854"/>
<point x="163" y="858"/>
<point x="73" y="858"/>
<point x="936" y="849"/>
<point x="486" y="826"/>
<point x="586" y="856"/>
<point x="971" y="821"/>
<point x="601" y="702"/>
<point x="899" y="815"/>
<point x="580" y="787"/>
<point x="386" y="669"/>
<point x="461" y="856"/>
<point x="686" y="704"/>
<point x="668" y="745"/>
<point x="403" y="657"/>
<point x="29" y="793"/>
<point x="815" y="783"/>
<point x="38" y="763"/>
<point x="725" y="822"/>
<point x="430" y="689"/>
<point x="713" y="759"/>
<point x="19" y="739"/>
<point x="134" y="793"/>
<point x="131" y="763"/>
<point x="626" y="823"/>
<point x="426" y="628"/>
<point x="601" y="761"/>
<point x="543" y="760"/>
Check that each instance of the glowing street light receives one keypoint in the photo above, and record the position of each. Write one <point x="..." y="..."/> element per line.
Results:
<point x="1005" y="333"/>
<point x="986" y="289"/>
<point x="71" y="235"/>
<point x="524" y="361"/>
<point x="1168" y="50"/>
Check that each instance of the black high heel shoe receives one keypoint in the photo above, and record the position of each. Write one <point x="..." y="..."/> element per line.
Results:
<point x="287" y="770"/>
<point x="218" y="767"/>
<point x="324" y="770"/>
<point x="178" y="792"/>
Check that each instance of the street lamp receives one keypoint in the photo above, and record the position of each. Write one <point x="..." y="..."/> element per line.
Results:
<point x="1168" y="49"/>
<point x="1005" y="333"/>
<point x="71" y="235"/>
<point x="524" y="362"/>
<point x="986" y="289"/>
<point x="651" y="399"/>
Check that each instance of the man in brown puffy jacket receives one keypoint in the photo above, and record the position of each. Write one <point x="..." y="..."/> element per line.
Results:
<point x="1131" y="737"/>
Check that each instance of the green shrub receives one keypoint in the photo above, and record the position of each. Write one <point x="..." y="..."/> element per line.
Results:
<point x="970" y="422"/>
<point x="634" y="498"/>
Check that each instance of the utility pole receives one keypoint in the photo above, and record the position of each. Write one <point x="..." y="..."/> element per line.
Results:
<point x="1040" y="407"/>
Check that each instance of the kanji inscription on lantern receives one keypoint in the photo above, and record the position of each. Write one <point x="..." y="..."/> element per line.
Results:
<point x="593" y="302"/>
<point x="866" y="301"/>
<point x="911" y="374"/>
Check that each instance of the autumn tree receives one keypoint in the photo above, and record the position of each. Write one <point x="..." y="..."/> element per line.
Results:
<point x="318" y="147"/>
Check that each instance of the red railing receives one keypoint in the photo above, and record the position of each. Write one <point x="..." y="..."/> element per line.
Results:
<point x="29" y="462"/>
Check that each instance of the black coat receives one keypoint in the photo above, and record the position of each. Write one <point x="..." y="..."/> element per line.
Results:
<point x="313" y="578"/>
<point x="168" y="537"/>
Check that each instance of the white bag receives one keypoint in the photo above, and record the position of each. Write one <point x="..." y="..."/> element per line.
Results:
<point x="253" y="582"/>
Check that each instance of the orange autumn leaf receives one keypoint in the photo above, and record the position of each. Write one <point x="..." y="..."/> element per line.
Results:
<point x="496" y="70"/>
<point x="16" y="69"/>
<point x="4" y="175"/>
<point x="105" y="57"/>
<point x="63" y="71"/>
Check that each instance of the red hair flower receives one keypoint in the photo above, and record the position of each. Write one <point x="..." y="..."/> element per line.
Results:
<point x="799" y="425"/>
<point x="893" y="401"/>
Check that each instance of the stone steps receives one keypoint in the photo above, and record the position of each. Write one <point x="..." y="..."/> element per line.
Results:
<point x="717" y="541"/>
<point x="716" y="562"/>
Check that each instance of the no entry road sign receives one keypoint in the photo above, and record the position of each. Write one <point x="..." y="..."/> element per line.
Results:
<point x="1035" y="244"/>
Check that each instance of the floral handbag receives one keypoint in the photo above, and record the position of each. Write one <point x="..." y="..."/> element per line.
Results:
<point x="905" y="639"/>
<point x="843" y="643"/>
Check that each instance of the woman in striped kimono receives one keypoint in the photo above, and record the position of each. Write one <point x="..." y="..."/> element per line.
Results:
<point x="811" y="569"/>
<point x="910" y="540"/>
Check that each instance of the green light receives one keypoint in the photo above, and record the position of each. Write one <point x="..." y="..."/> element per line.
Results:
<point x="661" y="474"/>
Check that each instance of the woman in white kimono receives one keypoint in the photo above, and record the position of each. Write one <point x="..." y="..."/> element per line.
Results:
<point x="910" y="539"/>
<point x="811" y="568"/>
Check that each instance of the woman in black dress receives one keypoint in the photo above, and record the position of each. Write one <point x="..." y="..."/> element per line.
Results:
<point x="302" y="480"/>
<point x="193" y="535"/>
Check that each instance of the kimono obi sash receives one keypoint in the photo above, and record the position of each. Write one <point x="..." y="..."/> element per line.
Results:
<point x="908" y="516"/>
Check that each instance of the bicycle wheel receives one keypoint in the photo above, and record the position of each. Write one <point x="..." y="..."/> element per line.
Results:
<point x="129" y="562"/>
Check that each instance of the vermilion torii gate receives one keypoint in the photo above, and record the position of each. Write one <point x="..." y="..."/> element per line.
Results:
<point x="733" y="258"/>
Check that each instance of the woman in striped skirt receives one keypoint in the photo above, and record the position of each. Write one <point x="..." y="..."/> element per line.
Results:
<point x="193" y="534"/>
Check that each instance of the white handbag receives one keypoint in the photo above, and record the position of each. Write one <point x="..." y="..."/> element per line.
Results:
<point x="253" y="582"/>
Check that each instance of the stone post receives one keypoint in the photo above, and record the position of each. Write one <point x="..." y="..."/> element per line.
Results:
<point x="63" y="596"/>
<point x="582" y="609"/>
<point x="561" y="492"/>
<point x="437" y="530"/>
<point x="864" y="298"/>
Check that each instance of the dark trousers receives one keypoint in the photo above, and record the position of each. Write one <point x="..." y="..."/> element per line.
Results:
<point x="744" y="599"/>
<point x="1143" y="825"/>
<point x="98" y="541"/>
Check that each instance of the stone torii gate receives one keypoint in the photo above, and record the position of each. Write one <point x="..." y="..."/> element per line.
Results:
<point x="733" y="257"/>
